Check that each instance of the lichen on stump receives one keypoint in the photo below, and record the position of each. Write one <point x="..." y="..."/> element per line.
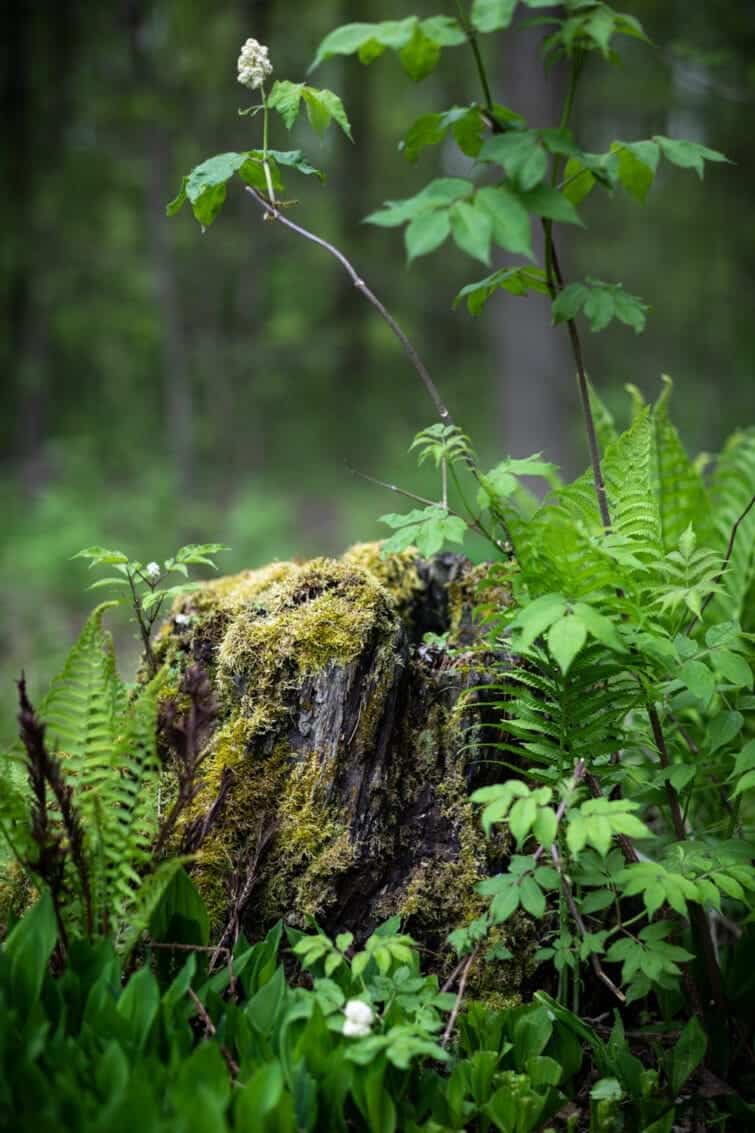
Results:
<point x="350" y="747"/>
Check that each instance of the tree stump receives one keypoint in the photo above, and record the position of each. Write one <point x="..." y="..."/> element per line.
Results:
<point x="336" y="781"/>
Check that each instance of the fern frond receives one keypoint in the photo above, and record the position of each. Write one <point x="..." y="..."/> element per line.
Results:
<point x="558" y="719"/>
<point x="130" y="813"/>
<point x="628" y="472"/>
<point x="678" y="484"/>
<point x="81" y="710"/>
<point x="732" y="488"/>
<point x="145" y="901"/>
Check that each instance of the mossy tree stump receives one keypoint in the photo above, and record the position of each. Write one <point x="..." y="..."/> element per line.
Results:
<point x="336" y="782"/>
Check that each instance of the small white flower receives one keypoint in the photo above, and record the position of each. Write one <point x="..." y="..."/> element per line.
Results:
<point x="182" y="619"/>
<point x="152" y="571"/>
<point x="355" y="1030"/>
<point x="359" y="1018"/>
<point x="254" y="65"/>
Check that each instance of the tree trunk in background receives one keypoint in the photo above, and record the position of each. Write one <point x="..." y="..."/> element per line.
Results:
<point x="177" y="400"/>
<point x="535" y="372"/>
<point x="33" y="134"/>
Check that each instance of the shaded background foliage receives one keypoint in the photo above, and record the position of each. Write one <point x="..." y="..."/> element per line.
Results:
<point x="160" y="385"/>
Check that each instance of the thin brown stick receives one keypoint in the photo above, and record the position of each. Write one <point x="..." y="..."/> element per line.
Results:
<point x="473" y="524"/>
<point x="595" y="963"/>
<point x="211" y="1030"/>
<point x="724" y="565"/>
<point x="273" y="213"/>
<point x="459" y="998"/>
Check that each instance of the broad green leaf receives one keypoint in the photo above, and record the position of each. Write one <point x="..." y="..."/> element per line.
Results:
<point x="420" y="56"/>
<point x="637" y="163"/>
<point x="686" y="1054"/>
<point x="523" y="813"/>
<point x="578" y="181"/>
<point x="442" y="191"/>
<point x="509" y="217"/>
<point x="472" y="230"/>
<point x="534" y="618"/>
<point x="323" y="106"/>
<point x="565" y="639"/>
<point x="427" y="232"/>
<point x="285" y="97"/>
<point x="722" y="729"/>
<point x="492" y="15"/>
<point x="531" y="897"/>
<point x="521" y="154"/>
<point x="28" y="947"/>
<point x="687" y="155"/>
<point x="697" y="677"/>
<point x="598" y="625"/>
<point x="550" y="203"/>
<point x="517" y="281"/>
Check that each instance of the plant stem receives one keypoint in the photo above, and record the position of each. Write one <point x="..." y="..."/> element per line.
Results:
<point x="143" y="628"/>
<point x="265" y="163"/>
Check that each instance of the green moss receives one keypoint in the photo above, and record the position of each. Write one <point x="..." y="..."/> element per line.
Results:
<point x="396" y="573"/>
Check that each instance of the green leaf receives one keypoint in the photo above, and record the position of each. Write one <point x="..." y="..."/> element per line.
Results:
<point x="352" y="38"/>
<point x="427" y="529"/>
<point x="509" y="217"/>
<point x="550" y="203"/>
<point x="601" y="627"/>
<point x="531" y="897"/>
<point x="472" y="230"/>
<point x="492" y="15"/>
<point x="294" y="159"/>
<point x="521" y="817"/>
<point x="722" y="729"/>
<point x="517" y="281"/>
<point x="687" y="155"/>
<point x="734" y="668"/>
<point x="181" y="915"/>
<point x="565" y="639"/>
<point x="420" y="56"/>
<point x="697" y="677"/>
<point x="28" y="947"/>
<point x="259" y="1096"/>
<point x="323" y="106"/>
<point x="521" y="154"/>
<point x="534" y="618"/>
<point x="206" y="184"/>
<point x="138" y="1004"/>
<point x="601" y="303"/>
<point x="427" y="232"/>
<point x="285" y="97"/>
<point x="442" y="191"/>
<point x="579" y="181"/>
<point x="636" y="165"/>
<point x="687" y="1054"/>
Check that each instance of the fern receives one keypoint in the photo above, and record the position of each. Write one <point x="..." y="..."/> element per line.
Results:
<point x="131" y="822"/>
<point x="677" y="482"/>
<point x="558" y="720"/>
<point x="105" y="748"/>
<point x="732" y="488"/>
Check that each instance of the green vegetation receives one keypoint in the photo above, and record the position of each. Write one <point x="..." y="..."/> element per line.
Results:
<point x="617" y="617"/>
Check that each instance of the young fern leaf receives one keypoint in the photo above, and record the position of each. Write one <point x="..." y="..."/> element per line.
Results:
<point x="678" y="485"/>
<point x="130" y="823"/>
<point x="628" y="471"/>
<point x="732" y="489"/>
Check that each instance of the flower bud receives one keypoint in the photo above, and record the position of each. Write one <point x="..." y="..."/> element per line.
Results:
<point x="254" y="65"/>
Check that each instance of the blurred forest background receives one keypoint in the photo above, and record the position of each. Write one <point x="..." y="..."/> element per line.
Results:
<point x="163" y="386"/>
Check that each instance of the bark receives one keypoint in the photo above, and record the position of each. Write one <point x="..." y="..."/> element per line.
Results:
<point x="352" y="745"/>
<point x="535" y="379"/>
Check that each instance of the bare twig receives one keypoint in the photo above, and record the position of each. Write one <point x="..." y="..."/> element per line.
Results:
<point x="595" y="963"/>
<point x="473" y="524"/>
<point x="725" y="564"/>
<point x="211" y="1030"/>
<point x="273" y="213"/>
<point x="459" y="997"/>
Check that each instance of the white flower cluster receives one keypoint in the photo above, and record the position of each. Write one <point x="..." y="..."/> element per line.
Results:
<point x="152" y="571"/>
<point x="359" y="1018"/>
<point x="254" y="65"/>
